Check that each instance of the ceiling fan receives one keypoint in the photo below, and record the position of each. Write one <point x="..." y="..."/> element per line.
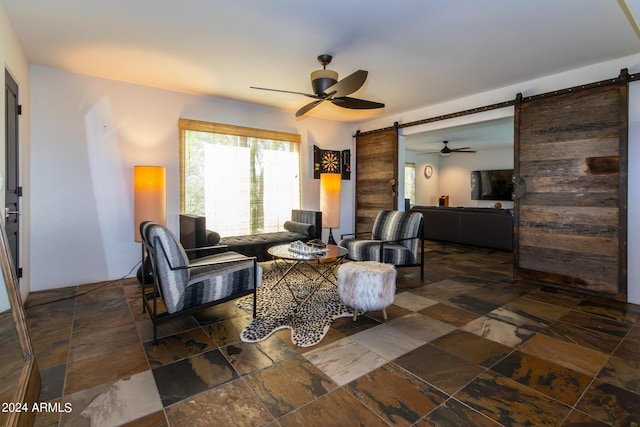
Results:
<point x="326" y="87"/>
<point x="446" y="151"/>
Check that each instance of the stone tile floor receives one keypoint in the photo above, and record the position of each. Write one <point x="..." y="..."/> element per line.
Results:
<point x="467" y="346"/>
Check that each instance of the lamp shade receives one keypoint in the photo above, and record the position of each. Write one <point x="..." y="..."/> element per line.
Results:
<point x="150" y="196"/>
<point x="330" y="199"/>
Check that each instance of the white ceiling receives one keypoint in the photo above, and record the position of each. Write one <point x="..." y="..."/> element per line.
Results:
<point x="417" y="52"/>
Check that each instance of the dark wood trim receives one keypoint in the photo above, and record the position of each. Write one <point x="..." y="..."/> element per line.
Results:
<point x="623" y="184"/>
<point x="516" y="173"/>
<point x="442" y="117"/>
<point x="623" y="77"/>
<point x="468" y="112"/>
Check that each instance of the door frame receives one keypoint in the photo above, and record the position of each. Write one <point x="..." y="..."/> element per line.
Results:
<point x="11" y="179"/>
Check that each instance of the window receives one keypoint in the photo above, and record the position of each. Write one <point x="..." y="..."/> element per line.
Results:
<point x="243" y="180"/>
<point x="410" y="182"/>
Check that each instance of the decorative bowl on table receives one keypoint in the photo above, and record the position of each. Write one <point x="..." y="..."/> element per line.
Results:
<point x="302" y="248"/>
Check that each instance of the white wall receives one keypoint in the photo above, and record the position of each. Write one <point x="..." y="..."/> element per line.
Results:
<point x="452" y="176"/>
<point x="14" y="60"/>
<point x="427" y="190"/>
<point x="455" y="175"/>
<point x="87" y="135"/>
<point x="593" y="73"/>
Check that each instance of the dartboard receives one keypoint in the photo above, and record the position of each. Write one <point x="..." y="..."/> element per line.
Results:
<point x="330" y="162"/>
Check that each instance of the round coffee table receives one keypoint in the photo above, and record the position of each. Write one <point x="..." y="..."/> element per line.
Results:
<point x="324" y="265"/>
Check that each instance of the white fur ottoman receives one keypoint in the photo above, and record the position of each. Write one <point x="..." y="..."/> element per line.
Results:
<point x="367" y="286"/>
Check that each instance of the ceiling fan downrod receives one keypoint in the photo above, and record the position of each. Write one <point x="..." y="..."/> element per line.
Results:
<point x="325" y="60"/>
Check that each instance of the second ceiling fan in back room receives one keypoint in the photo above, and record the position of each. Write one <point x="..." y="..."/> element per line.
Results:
<point x="446" y="151"/>
<point x="326" y="87"/>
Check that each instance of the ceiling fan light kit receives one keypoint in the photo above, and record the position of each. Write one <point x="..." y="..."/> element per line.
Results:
<point x="321" y="80"/>
<point x="327" y="87"/>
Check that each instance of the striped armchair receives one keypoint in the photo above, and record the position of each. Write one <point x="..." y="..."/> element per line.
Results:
<point x="186" y="286"/>
<point x="394" y="239"/>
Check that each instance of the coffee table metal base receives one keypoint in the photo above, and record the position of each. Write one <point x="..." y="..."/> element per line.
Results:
<point x="322" y="267"/>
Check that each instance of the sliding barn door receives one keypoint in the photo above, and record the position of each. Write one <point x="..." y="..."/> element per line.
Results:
<point x="376" y="176"/>
<point x="571" y="207"/>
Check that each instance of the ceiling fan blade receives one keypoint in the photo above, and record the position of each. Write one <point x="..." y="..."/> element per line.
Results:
<point x="286" y="91"/>
<point x="308" y="107"/>
<point x="349" y="84"/>
<point x="446" y="151"/>
<point x="356" y="104"/>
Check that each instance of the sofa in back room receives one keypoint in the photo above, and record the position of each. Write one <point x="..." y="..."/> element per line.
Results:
<point x="304" y="225"/>
<point x="482" y="227"/>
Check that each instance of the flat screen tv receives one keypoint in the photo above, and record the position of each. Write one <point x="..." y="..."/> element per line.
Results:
<point x="492" y="184"/>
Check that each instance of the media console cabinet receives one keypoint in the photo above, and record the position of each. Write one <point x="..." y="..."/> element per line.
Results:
<point x="482" y="227"/>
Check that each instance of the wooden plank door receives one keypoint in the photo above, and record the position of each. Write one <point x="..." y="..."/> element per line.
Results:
<point x="571" y="216"/>
<point x="376" y="176"/>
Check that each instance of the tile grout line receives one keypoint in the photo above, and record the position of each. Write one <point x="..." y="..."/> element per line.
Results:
<point x="66" y="366"/>
<point x="133" y="318"/>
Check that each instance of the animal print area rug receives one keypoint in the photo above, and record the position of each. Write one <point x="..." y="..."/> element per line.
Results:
<point x="277" y="308"/>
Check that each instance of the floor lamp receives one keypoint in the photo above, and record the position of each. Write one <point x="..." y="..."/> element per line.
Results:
<point x="150" y="204"/>
<point x="330" y="202"/>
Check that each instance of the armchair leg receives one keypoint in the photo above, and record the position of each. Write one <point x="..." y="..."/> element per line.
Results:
<point x="422" y="259"/>
<point x="155" y="333"/>
<point x="255" y="287"/>
<point x="255" y="302"/>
